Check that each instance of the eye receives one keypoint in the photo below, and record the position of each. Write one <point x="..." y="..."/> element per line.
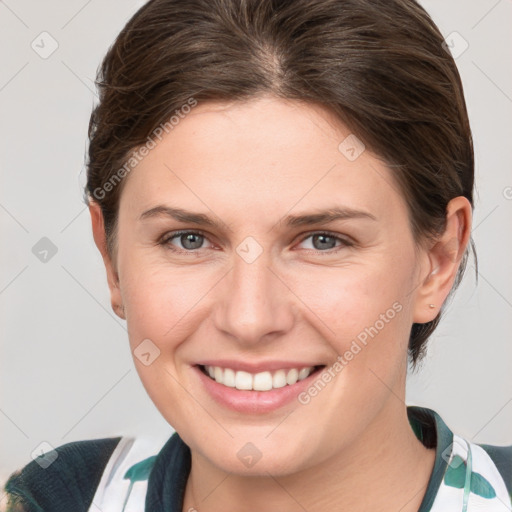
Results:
<point x="325" y="242"/>
<point x="190" y="240"/>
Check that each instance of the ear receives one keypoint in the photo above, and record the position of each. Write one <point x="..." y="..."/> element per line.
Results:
<point x="442" y="261"/>
<point x="98" y="231"/>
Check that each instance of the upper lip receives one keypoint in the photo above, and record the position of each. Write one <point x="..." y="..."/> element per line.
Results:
<point x="257" y="367"/>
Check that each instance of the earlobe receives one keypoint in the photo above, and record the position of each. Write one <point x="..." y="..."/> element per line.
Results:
<point x="444" y="258"/>
<point x="98" y="231"/>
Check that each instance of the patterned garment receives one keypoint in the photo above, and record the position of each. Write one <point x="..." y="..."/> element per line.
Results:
<point x="140" y="474"/>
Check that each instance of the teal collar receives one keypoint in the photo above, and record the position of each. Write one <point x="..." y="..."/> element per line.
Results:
<point x="432" y="431"/>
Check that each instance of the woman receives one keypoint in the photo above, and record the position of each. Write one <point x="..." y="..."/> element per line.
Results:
<point x="282" y="195"/>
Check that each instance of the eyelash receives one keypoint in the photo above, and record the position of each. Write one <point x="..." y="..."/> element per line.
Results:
<point x="175" y="234"/>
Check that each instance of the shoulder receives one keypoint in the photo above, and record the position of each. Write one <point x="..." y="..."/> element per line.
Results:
<point x="62" y="479"/>
<point x="482" y="471"/>
<point x="501" y="456"/>
<point x="125" y="480"/>
<point x="463" y="470"/>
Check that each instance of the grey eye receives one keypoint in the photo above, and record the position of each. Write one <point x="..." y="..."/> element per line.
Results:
<point x="322" y="241"/>
<point x="191" y="241"/>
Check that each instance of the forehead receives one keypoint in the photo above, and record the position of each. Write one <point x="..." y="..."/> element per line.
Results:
<point x="265" y="153"/>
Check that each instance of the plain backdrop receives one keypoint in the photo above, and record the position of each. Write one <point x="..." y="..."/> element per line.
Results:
<point x="66" y="369"/>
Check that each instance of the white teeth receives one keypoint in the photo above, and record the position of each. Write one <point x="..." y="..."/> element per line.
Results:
<point x="292" y="376"/>
<point x="279" y="379"/>
<point x="243" y="380"/>
<point x="303" y="373"/>
<point x="229" y="378"/>
<point x="262" y="381"/>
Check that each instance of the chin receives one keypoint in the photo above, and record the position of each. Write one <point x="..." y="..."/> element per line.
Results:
<point x="252" y="463"/>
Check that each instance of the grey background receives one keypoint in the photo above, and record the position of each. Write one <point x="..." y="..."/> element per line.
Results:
<point x="66" y="369"/>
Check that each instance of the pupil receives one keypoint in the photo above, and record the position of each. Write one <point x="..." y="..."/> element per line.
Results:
<point x="323" y="239"/>
<point x="185" y="239"/>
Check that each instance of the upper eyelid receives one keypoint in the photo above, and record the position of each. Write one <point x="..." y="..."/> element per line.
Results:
<point x="169" y="235"/>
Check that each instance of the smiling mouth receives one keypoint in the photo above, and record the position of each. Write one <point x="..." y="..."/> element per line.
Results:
<point x="262" y="381"/>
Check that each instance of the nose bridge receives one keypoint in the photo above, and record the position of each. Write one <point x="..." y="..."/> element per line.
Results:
<point x="255" y="302"/>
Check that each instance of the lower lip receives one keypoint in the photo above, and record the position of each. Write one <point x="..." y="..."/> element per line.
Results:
<point x="255" y="402"/>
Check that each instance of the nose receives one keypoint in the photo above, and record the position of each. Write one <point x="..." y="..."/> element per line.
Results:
<point x="255" y="305"/>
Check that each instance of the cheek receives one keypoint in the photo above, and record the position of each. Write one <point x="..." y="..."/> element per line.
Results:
<point x="162" y="306"/>
<point x="355" y="302"/>
<point x="159" y="300"/>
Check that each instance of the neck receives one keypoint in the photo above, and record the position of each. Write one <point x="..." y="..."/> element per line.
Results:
<point x="387" y="466"/>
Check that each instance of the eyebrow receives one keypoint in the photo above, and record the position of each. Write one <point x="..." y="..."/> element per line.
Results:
<point x="315" y="217"/>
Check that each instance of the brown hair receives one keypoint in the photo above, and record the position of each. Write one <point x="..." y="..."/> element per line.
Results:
<point x="379" y="65"/>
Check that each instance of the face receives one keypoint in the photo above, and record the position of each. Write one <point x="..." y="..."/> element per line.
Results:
<point x="228" y="263"/>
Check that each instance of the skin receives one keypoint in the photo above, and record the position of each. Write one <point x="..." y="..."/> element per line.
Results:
<point x="247" y="166"/>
